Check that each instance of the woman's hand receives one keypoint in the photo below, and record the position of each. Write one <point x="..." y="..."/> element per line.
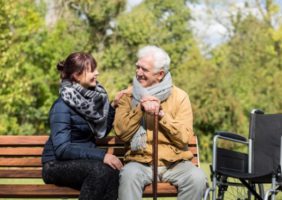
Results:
<point x="118" y="96"/>
<point x="113" y="161"/>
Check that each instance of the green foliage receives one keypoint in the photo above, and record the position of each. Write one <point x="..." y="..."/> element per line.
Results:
<point x="18" y="25"/>
<point x="29" y="81"/>
<point x="240" y="75"/>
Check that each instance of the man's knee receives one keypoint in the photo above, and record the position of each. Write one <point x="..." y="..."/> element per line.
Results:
<point x="200" y="179"/>
<point x="131" y="182"/>
<point x="196" y="178"/>
<point x="130" y="174"/>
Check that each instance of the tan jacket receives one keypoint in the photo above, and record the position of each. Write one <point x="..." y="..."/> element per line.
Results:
<point x="175" y="128"/>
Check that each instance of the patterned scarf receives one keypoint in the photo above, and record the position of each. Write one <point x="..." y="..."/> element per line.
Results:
<point x="92" y="104"/>
<point x="160" y="90"/>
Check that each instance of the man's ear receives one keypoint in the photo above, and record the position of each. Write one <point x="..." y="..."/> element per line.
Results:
<point x="161" y="75"/>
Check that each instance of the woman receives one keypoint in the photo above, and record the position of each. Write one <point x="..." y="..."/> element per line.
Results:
<point x="81" y="114"/>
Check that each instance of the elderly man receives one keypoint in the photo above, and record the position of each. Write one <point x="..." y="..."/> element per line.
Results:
<point x="153" y="93"/>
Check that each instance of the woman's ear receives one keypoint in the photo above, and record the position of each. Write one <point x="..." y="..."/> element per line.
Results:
<point x="76" y="77"/>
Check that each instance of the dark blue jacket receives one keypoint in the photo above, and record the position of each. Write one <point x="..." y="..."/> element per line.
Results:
<point x="71" y="137"/>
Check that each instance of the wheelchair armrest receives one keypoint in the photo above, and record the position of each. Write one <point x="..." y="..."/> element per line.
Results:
<point x="229" y="135"/>
<point x="225" y="154"/>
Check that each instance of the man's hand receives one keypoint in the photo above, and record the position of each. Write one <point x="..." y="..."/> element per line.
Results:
<point x="151" y="105"/>
<point x="113" y="161"/>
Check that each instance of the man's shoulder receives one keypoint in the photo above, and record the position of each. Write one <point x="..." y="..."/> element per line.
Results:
<point x="127" y="94"/>
<point x="178" y="91"/>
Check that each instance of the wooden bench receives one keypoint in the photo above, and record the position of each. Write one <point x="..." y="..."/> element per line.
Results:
<point x="20" y="158"/>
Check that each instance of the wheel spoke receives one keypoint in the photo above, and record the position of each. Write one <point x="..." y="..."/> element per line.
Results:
<point x="232" y="189"/>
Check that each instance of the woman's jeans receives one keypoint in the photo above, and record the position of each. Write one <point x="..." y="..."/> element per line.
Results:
<point x="93" y="178"/>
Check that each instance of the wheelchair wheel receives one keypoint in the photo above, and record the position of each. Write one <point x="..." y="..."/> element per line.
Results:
<point x="229" y="188"/>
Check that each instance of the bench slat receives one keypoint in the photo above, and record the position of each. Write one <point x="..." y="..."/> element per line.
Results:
<point x="20" y="162"/>
<point x="36" y="140"/>
<point x="36" y="162"/>
<point x="21" y="173"/>
<point x="36" y="191"/>
<point x="37" y="151"/>
<point x="164" y="190"/>
<point x="23" y="140"/>
<point x="21" y="151"/>
<point x="30" y="173"/>
<point x="51" y="191"/>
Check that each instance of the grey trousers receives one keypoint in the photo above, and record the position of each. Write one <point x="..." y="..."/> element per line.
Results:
<point x="190" y="180"/>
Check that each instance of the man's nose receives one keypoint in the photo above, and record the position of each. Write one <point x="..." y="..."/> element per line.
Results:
<point x="139" y="72"/>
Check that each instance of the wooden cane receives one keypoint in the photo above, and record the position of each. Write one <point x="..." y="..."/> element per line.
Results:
<point x="155" y="156"/>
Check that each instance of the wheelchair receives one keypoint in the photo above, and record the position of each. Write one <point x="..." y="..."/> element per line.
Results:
<point x="255" y="173"/>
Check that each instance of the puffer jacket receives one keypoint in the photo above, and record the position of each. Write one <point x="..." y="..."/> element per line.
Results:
<point x="71" y="137"/>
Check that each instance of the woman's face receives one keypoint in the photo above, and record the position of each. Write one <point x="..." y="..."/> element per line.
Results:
<point x="87" y="78"/>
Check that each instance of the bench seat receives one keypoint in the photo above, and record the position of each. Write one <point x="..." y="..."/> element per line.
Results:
<point x="20" y="158"/>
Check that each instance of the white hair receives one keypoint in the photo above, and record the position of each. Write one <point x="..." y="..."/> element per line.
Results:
<point x="160" y="57"/>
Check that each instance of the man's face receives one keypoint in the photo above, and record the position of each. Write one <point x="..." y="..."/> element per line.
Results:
<point x="145" y="73"/>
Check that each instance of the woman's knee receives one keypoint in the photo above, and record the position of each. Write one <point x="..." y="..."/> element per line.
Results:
<point x="99" y="169"/>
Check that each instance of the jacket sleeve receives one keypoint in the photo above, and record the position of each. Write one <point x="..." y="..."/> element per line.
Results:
<point x="110" y="119"/>
<point x="60" y="123"/>
<point x="127" y="119"/>
<point x="179" y="128"/>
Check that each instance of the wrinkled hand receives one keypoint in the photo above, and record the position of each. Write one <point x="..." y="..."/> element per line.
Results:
<point x="118" y="96"/>
<point x="113" y="161"/>
<point x="151" y="105"/>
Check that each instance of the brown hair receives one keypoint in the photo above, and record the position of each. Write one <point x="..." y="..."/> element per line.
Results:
<point x="76" y="62"/>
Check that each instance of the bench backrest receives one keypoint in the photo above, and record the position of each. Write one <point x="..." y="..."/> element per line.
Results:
<point x="20" y="156"/>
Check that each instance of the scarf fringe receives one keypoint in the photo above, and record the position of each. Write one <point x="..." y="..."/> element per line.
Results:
<point x="161" y="91"/>
<point x="139" y="140"/>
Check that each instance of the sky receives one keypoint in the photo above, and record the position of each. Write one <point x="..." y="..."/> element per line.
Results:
<point x="213" y="30"/>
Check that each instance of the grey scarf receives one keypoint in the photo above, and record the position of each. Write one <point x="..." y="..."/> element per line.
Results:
<point x="93" y="105"/>
<point x="161" y="91"/>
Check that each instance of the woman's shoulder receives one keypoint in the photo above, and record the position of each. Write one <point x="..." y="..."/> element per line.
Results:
<point x="59" y="106"/>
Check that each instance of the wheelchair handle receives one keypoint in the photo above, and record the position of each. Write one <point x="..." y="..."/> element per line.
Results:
<point x="231" y="136"/>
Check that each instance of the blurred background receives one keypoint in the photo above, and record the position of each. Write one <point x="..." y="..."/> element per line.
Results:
<point x="226" y="54"/>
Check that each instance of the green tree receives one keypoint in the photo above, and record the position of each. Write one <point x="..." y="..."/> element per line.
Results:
<point x="19" y="23"/>
<point x="163" y="23"/>
<point x="31" y="50"/>
<point x="241" y="75"/>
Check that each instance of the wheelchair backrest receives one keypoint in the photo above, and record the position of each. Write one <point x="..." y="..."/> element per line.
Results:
<point x="265" y="133"/>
